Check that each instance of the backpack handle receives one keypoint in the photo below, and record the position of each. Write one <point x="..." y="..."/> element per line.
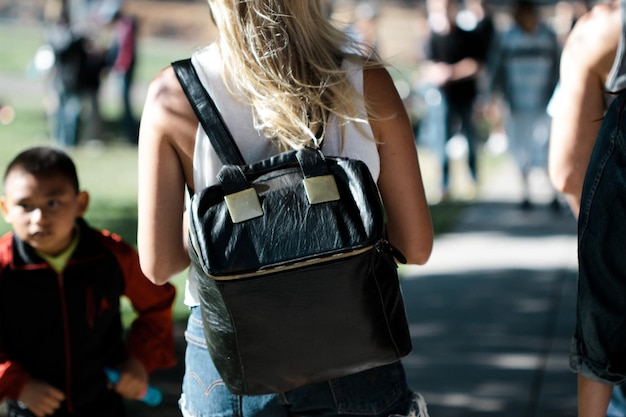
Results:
<point x="243" y="201"/>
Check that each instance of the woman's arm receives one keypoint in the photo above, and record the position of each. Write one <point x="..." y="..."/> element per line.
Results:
<point x="166" y="142"/>
<point x="585" y="63"/>
<point x="579" y="108"/>
<point x="593" y="397"/>
<point x="400" y="181"/>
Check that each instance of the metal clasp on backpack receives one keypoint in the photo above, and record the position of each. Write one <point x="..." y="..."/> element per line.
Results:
<point x="321" y="189"/>
<point x="243" y="205"/>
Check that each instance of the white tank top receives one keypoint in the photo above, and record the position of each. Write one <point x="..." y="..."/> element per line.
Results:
<point x="253" y="146"/>
<point x="616" y="81"/>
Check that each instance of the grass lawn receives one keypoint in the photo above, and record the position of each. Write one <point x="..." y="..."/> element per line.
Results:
<point x="108" y="172"/>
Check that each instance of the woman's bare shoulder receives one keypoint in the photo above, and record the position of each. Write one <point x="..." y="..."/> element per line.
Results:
<point x="595" y="36"/>
<point x="165" y="92"/>
<point x="167" y="107"/>
<point x="381" y="94"/>
<point x="376" y="82"/>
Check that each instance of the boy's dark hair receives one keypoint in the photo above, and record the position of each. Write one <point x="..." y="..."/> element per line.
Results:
<point x="43" y="161"/>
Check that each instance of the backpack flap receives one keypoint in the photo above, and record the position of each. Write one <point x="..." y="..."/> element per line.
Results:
<point x="291" y="231"/>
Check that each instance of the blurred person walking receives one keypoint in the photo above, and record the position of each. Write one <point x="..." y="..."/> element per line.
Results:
<point x="76" y="77"/>
<point x="122" y="57"/>
<point x="455" y="59"/>
<point x="525" y="70"/>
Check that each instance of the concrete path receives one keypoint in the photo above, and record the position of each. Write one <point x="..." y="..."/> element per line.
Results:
<point x="492" y="312"/>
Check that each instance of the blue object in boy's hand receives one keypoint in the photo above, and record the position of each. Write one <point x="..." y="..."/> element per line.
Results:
<point x="152" y="397"/>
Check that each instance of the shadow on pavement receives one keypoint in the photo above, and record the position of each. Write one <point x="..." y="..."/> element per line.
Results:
<point x="492" y="315"/>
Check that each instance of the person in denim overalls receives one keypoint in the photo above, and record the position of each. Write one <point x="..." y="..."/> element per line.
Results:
<point x="279" y="73"/>
<point x="587" y="164"/>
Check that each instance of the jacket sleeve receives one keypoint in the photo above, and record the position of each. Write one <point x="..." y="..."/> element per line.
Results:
<point x="12" y="376"/>
<point x="151" y="336"/>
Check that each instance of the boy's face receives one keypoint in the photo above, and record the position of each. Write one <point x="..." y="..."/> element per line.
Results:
<point x="42" y="210"/>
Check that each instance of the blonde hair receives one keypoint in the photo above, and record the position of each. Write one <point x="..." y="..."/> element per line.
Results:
<point x="284" y="57"/>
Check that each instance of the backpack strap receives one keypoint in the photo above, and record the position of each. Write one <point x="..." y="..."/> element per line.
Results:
<point x="207" y="113"/>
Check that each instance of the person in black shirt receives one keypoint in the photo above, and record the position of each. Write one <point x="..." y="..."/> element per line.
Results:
<point x="455" y="59"/>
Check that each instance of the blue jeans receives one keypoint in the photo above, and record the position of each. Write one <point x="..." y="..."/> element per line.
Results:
<point x="16" y="409"/>
<point x="378" y="392"/>
<point x="617" y="406"/>
<point x="599" y="343"/>
<point x="68" y="119"/>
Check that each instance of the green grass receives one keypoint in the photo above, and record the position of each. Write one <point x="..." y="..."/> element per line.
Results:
<point x="19" y="44"/>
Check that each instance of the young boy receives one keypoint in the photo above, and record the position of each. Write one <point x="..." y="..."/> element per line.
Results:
<point x="60" y="288"/>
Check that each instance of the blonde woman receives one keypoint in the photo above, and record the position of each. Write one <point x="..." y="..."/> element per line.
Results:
<point x="280" y="74"/>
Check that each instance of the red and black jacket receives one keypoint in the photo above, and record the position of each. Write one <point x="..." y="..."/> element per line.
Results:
<point x="64" y="328"/>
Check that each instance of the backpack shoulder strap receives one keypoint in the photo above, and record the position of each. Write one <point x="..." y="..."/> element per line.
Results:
<point x="207" y="113"/>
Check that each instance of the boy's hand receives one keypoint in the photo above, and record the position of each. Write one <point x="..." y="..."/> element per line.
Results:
<point x="42" y="399"/>
<point x="133" y="381"/>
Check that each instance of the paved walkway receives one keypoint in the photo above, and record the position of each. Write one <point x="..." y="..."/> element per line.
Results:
<point x="493" y="311"/>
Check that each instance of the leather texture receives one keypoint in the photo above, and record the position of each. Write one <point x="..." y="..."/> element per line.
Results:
<point x="291" y="230"/>
<point x="305" y="292"/>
